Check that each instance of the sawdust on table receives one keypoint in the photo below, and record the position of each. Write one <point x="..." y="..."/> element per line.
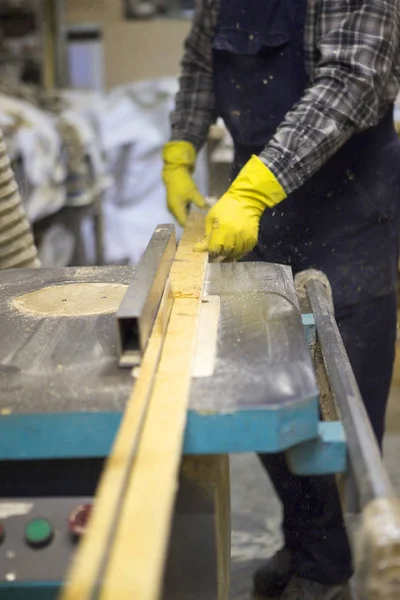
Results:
<point x="71" y="300"/>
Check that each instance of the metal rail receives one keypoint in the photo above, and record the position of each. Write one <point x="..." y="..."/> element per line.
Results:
<point x="369" y="472"/>
<point x="138" y="310"/>
<point x="378" y="547"/>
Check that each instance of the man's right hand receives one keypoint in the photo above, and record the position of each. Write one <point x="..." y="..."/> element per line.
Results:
<point x="179" y="161"/>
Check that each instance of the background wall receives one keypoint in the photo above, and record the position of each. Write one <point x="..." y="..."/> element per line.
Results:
<point x="133" y="49"/>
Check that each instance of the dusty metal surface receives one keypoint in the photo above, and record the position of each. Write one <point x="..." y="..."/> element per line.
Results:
<point x="262" y="353"/>
<point x="59" y="364"/>
<point x="138" y="310"/>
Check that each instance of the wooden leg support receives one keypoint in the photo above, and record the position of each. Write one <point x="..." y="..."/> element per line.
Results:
<point x="200" y="544"/>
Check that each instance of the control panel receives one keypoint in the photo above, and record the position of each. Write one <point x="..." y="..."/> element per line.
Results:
<point x="38" y="537"/>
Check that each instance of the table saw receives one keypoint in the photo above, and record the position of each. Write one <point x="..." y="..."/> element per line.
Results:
<point x="73" y="340"/>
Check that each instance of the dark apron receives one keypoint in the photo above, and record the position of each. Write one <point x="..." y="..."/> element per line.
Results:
<point x="346" y="211"/>
<point x="343" y="221"/>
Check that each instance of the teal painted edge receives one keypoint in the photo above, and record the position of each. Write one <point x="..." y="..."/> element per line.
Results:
<point x="76" y="435"/>
<point x="311" y="331"/>
<point x="92" y="434"/>
<point x="308" y="320"/>
<point x="35" y="590"/>
<point x="325" y="455"/>
<point x="57" y="435"/>
<point x="253" y="430"/>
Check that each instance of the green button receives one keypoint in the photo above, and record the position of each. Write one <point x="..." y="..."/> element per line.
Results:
<point x="39" y="533"/>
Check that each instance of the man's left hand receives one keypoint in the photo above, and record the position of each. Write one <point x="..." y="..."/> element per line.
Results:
<point x="232" y="224"/>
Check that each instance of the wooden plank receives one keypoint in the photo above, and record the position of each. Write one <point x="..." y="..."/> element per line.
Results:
<point x="137" y="558"/>
<point x="88" y="561"/>
<point x="188" y="268"/>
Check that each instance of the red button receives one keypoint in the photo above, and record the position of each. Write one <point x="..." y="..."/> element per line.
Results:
<point x="79" y="518"/>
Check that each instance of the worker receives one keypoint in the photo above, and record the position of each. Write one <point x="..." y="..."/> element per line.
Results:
<point x="306" y="90"/>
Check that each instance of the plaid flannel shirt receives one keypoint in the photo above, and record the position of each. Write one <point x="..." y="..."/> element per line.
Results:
<point x="353" y="62"/>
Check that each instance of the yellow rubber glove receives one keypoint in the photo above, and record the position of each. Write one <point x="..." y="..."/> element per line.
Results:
<point x="232" y="224"/>
<point x="179" y="161"/>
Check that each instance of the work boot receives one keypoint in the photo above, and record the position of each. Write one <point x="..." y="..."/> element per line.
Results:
<point x="272" y="578"/>
<point x="305" y="589"/>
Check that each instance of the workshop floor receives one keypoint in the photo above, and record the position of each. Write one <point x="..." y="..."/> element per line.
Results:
<point x="256" y="511"/>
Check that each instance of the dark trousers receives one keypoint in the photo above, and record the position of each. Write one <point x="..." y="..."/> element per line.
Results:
<point x="313" y="523"/>
<point x="345" y="222"/>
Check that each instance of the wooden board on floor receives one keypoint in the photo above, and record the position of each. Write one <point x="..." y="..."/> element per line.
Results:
<point x="125" y="546"/>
